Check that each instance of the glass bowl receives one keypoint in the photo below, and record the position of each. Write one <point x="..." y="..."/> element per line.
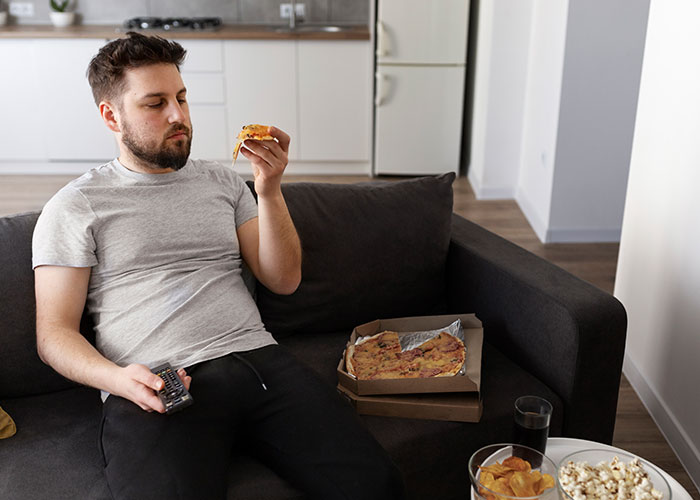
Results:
<point x="494" y="453"/>
<point x="595" y="457"/>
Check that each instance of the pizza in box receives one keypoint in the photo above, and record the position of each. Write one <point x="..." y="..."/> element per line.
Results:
<point x="380" y="357"/>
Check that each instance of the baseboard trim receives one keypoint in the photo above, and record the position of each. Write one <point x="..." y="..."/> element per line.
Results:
<point x="583" y="235"/>
<point x="564" y="235"/>
<point x="489" y="193"/>
<point x="528" y="210"/>
<point x="672" y="430"/>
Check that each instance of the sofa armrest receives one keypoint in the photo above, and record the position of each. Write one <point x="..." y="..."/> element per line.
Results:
<point x="563" y="330"/>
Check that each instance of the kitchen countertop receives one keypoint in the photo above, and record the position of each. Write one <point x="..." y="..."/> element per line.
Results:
<point x="225" y="32"/>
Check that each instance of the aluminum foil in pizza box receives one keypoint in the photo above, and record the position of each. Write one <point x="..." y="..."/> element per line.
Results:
<point x="419" y="329"/>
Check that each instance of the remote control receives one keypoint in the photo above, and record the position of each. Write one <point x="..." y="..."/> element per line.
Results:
<point x="173" y="394"/>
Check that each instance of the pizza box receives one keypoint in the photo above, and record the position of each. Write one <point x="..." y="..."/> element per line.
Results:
<point x="470" y="381"/>
<point x="455" y="407"/>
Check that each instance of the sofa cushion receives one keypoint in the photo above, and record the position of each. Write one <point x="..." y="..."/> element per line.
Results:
<point x="54" y="454"/>
<point x="370" y="250"/>
<point x="21" y="370"/>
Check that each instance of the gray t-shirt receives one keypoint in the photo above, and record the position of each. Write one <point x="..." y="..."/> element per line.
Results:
<point x="166" y="281"/>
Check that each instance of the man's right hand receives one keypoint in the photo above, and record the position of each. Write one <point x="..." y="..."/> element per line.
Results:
<point x="139" y="385"/>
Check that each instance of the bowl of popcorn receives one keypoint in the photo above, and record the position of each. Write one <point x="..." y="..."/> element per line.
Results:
<point x="509" y="471"/>
<point x="610" y="474"/>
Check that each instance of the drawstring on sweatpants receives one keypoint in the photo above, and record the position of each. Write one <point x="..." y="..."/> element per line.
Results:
<point x="250" y="365"/>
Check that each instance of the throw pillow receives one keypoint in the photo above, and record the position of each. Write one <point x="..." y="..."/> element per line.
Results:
<point x="370" y="250"/>
<point x="22" y="373"/>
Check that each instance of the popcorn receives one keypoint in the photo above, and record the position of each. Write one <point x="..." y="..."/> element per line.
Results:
<point x="608" y="481"/>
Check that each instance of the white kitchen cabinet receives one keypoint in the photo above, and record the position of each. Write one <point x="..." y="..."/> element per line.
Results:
<point x="261" y="87"/>
<point x="318" y="91"/>
<point x="203" y="75"/>
<point x="210" y="140"/>
<point x="334" y="100"/>
<point x="202" y="56"/>
<point x="21" y="110"/>
<point x="69" y="119"/>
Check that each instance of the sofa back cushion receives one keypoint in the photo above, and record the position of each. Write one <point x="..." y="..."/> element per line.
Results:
<point x="21" y="371"/>
<point x="370" y="250"/>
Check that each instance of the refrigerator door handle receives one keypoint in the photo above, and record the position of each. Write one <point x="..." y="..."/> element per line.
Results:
<point x="382" y="50"/>
<point x="381" y="96"/>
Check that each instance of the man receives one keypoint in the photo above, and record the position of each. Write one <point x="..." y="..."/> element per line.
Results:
<point x="153" y="244"/>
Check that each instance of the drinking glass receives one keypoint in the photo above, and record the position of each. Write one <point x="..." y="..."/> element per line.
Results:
<point x="532" y="415"/>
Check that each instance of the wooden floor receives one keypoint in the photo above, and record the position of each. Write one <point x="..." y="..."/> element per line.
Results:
<point x="635" y="431"/>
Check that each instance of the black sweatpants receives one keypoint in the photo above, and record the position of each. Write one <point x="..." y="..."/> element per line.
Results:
<point x="299" y="427"/>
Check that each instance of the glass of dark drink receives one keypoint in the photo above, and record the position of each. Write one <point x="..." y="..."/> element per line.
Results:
<point x="532" y="415"/>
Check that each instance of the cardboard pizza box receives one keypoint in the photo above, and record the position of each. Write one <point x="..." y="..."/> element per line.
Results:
<point x="470" y="381"/>
<point x="455" y="407"/>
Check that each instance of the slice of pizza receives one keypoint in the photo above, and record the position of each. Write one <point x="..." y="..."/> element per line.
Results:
<point x="254" y="131"/>
<point x="372" y="355"/>
<point x="443" y="356"/>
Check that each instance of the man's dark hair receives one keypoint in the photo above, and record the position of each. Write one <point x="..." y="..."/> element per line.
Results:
<point x="106" y="70"/>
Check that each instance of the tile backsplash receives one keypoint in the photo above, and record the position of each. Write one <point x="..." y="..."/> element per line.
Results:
<point x="231" y="11"/>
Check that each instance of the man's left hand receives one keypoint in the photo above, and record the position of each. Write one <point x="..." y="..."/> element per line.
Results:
<point x="269" y="159"/>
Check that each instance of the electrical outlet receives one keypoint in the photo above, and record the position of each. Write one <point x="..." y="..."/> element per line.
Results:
<point x="22" y="9"/>
<point x="286" y="10"/>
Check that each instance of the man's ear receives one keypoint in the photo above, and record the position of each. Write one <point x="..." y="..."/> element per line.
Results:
<point x="110" y="115"/>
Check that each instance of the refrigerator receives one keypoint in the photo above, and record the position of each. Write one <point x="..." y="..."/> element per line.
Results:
<point x="421" y="52"/>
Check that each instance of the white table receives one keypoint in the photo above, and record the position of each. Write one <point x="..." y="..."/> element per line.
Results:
<point x="558" y="448"/>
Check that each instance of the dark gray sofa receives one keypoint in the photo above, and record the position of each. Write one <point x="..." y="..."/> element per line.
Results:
<point x="372" y="250"/>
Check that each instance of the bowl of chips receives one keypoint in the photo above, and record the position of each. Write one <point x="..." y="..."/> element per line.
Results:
<point x="596" y="473"/>
<point x="497" y="472"/>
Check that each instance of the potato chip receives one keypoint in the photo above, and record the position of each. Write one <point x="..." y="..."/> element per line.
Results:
<point x="524" y="484"/>
<point x="517" y="463"/>
<point x="486" y="478"/>
<point x="546" y="481"/>
<point x="513" y="477"/>
<point x="498" y="470"/>
<point x="485" y="493"/>
<point x="501" y="485"/>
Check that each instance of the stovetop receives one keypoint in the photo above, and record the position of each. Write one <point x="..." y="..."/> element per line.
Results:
<point x="173" y="23"/>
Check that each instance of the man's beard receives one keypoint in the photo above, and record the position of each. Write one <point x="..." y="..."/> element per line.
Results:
<point x="163" y="155"/>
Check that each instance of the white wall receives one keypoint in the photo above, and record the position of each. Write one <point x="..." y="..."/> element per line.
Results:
<point x="499" y="95"/>
<point x="555" y="100"/>
<point x="538" y="134"/>
<point x="658" y="275"/>
<point x="600" y="85"/>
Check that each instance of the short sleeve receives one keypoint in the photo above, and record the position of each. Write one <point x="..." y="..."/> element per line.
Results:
<point x="245" y="205"/>
<point x="64" y="232"/>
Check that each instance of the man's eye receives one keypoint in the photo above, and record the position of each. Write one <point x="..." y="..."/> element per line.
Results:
<point x="155" y="104"/>
<point x="182" y="101"/>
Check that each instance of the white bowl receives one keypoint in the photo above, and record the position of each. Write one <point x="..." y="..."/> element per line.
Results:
<point x="491" y="454"/>
<point x="594" y="457"/>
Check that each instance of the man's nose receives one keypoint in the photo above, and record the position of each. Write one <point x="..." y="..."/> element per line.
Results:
<point x="176" y="113"/>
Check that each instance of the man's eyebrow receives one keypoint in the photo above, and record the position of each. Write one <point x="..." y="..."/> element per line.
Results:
<point x="161" y="94"/>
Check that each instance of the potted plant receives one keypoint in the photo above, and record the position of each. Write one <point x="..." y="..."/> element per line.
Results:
<point x="60" y="15"/>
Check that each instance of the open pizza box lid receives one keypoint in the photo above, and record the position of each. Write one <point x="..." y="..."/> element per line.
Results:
<point x="469" y="381"/>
